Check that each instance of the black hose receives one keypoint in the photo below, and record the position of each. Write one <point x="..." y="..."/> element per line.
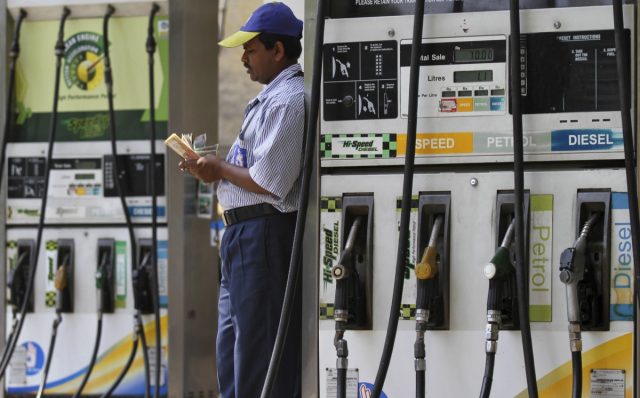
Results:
<point x="94" y="356"/>
<point x="622" y="57"/>
<point x="145" y="355"/>
<point x="518" y="172"/>
<point x="59" y="52"/>
<point x="14" y="53"/>
<point x="151" y="49"/>
<point x="576" y="363"/>
<point x="487" y="380"/>
<point x="52" y="344"/>
<point x="407" y="187"/>
<point x="296" y="254"/>
<point x="342" y="384"/>
<point x="118" y="180"/>
<point x="134" y="349"/>
<point x="420" y="383"/>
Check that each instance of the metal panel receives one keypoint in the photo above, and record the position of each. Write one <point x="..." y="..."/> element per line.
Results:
<point x="3" y="89"/>
<point x="309" y="285"/>
<point x="193" y="278"/>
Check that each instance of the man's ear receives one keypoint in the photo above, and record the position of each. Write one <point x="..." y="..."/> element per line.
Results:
<point x="279" y="51"/>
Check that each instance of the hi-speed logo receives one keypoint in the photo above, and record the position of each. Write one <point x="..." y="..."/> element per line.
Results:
<point x="84" y="67"/>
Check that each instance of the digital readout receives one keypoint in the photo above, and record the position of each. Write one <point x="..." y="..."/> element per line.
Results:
<point x="468" y="76"/>
<point x="464" y="55"/>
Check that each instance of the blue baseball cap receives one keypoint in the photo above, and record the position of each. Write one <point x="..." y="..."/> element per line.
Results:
<point x="275" y="18"/>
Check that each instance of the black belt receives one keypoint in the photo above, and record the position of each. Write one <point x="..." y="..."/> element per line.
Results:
<point x="233" y="216"/>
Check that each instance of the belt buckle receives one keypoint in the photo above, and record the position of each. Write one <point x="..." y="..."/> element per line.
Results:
<point x="225" y="221"/>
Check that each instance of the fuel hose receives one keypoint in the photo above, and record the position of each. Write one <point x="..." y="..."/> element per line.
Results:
<point x="426" y="269"/>
<point x="119" y="179"/>
<point x="61" y="283"/>
<point x="296" y="254"/>
<point x="14" y="53"/>
<point x="518" y="173"/>
<point x="59" y="52"/>
<point x="624" y="84"/>
<point x="497" y="271"/>
<point x="151" y="49"/>
<point x="407" y="186"/>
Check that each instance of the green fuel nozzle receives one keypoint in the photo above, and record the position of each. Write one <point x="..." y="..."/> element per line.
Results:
<point x="500" y="265"/>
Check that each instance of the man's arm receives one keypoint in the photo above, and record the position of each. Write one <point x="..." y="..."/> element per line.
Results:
<point x="209" y="169"/>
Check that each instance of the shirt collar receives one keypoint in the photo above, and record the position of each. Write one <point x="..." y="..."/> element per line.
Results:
<point x="284" y="75"/>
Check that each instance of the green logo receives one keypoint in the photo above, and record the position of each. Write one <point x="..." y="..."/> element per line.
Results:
<point x="83" y="65"/>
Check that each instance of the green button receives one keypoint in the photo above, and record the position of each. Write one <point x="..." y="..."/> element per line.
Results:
<point x="481" y="104"/>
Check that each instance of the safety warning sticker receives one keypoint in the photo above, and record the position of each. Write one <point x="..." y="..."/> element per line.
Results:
<point x="352" y="383"/>
<point x="607" y="383"/>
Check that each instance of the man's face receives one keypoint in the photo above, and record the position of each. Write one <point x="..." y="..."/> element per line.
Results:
<point x="260" y="62"/>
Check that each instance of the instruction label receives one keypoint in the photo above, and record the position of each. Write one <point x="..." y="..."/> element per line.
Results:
<point x="540" y="257"/>
<point x="352" y="383"/>
<point x="607" y="383"/>
<point x="621" y="300"/>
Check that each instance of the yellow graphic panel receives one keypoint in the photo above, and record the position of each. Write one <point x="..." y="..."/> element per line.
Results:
<point x="614" y="354"/>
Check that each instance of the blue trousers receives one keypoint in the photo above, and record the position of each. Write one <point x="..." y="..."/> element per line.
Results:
<point x="255" y="262"/>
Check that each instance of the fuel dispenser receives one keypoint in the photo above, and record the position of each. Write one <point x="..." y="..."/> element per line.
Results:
<point x="92" y="252"/>
<point x="482" y="66"/>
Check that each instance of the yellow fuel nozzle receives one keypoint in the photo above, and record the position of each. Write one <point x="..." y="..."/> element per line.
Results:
<point x="427" y="268"/>
<point x="60" y="279"/>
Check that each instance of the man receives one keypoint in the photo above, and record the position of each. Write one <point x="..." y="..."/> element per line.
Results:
<point x="258" y="189"/>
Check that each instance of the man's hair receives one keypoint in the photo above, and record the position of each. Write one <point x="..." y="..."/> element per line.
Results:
<point x="292" y="46"/>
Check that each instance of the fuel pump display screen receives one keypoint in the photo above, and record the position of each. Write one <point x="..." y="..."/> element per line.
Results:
<point x="467" y="76"/>
<point x="569" y="72"/>
<point x="459" y="76"/>
<point x="466" y="55"/>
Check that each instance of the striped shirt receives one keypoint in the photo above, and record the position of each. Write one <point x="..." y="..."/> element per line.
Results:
<point x="270" y="145"/>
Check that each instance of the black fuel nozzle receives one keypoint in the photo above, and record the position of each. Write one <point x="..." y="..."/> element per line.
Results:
<point x="105" y="276"/>
<point x="142" y="294"/>
<point x="343" y="271"/>
<point x="17" y="280"/>
<point x="572" y="272"/>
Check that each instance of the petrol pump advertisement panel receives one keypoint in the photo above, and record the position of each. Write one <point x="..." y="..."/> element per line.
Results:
<point x="82" y="183"/>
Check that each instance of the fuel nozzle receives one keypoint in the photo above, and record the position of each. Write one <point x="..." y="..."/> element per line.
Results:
<point x="427" y="268"/>
<point x="103" y="282"/>
<point x="572" y="272"/>
<point x="499" y="268"/>
<point x="500" y="265"/>
<point x="61" y="282"/>
<point x="16" y="281"/>
<point x="342" y="272"/>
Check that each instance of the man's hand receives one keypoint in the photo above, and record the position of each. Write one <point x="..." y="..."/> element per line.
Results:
<point x="206" y="168"/>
